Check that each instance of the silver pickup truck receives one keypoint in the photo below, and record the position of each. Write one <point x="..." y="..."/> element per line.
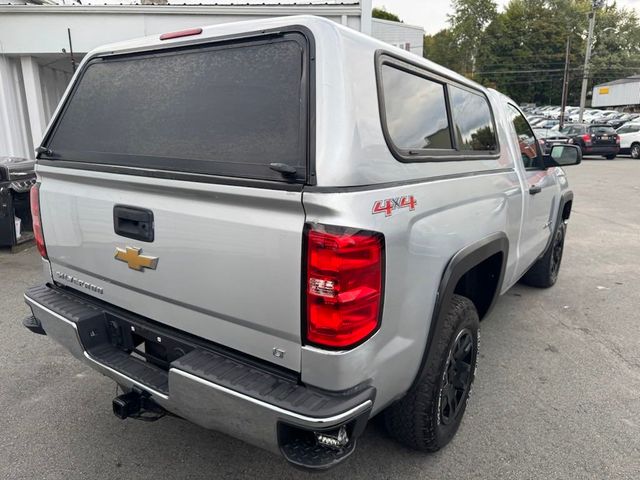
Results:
<point x="281" y="228"/>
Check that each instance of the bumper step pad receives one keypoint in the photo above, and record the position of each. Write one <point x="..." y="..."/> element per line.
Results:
<point x="141" y="371"/>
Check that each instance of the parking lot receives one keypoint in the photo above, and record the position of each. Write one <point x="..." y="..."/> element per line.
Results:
<point x="557" y="393"/>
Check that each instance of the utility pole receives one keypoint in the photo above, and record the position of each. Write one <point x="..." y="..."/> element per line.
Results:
<point x="587" y="57"/>
<point x="565" y="83"/>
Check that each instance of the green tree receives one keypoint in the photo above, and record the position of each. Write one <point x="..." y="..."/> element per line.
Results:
<point x="382" y="14"/>
<point x="467" y="24"/>
<point x="522" y="52"/>
<point x="443" y="49"/>
<point x="616" y="47"/>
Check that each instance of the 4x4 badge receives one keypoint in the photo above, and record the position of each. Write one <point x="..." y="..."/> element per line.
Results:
<point x="389" y="205"/>
<point x="132" y="257"/>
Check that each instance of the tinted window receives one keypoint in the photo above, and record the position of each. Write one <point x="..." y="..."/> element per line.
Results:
<point x="415" y="111"/>
<point x="602" y="129"/>
<point x="472" y="122"/>
<point x="529" y="149"/>
<point x="225" y="110"/>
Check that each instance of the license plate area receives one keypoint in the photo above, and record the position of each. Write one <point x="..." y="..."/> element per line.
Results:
<point x="143" y="343"/>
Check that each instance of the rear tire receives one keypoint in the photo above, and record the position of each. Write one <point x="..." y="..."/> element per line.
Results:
<point x="544" y="273"/>
<point x="429" y="415"/>
<point x="610" y="157"/>
<point x="635" y="150"/>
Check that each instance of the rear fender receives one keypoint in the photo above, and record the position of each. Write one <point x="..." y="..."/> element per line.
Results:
<point x="463" y="261"/>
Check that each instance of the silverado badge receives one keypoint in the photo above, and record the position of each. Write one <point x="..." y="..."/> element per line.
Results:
<point x="132" y="257"/>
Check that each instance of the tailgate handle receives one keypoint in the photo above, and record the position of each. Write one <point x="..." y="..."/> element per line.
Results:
<point x="133" y="222"/>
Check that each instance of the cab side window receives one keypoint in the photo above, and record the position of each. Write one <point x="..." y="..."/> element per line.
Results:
<point x="529" y="148"/>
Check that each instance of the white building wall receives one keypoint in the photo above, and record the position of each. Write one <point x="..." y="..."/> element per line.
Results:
<point x="53" y="83"/>
<point x="27" y="30"/>
<point x="15" y="134"/>
<point x="407" y="37"/>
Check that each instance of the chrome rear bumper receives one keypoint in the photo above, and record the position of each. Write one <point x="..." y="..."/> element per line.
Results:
<point x="238" y="404"/>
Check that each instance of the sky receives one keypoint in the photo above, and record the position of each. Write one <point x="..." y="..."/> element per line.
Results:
<point x="432" y="14"/>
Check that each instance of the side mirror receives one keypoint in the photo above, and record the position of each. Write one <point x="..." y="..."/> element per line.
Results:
<point x="563" y="156"/>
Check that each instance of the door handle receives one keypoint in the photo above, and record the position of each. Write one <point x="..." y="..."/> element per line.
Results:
<point x="533" y="189"/>
<point x="133" y="222"/>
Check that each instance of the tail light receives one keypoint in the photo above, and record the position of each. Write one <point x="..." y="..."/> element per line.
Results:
<point x="34" y="196"/>
<point x="587" y="138"/>
<point x="343" y="285"/>
<point x="618" y="139"/>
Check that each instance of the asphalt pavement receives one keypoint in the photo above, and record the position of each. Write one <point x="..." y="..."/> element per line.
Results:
<point x="557" y="393"/>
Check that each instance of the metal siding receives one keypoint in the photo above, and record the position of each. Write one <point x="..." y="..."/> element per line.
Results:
<point x="398" y="34"/>
<point x="619" y="94"/>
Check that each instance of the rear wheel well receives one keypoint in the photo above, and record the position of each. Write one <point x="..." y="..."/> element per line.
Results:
<point x="480" y="283"/>
<point x="566" y="210"/>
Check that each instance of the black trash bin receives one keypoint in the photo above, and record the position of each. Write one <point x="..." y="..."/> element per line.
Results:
<point x="16" y="177"/>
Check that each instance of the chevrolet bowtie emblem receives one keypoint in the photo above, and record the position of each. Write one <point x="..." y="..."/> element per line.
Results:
<point x="132" y="257"/>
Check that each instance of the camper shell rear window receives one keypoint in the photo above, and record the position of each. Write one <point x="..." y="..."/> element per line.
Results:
<point x="229" y="109"/>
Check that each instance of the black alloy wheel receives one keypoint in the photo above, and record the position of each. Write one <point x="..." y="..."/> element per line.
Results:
<point x="457" y="376"/>
<point x="556" y="253"/>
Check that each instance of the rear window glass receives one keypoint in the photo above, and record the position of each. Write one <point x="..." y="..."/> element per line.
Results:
<point x="472" y="122"/>
<point x="225" y="110"/>
<point x="415" y="111"/>
<point x="602" y="129"/>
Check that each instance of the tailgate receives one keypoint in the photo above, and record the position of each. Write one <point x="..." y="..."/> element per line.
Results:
<point x="208" y="143"/>
<point x="229" y="257"/>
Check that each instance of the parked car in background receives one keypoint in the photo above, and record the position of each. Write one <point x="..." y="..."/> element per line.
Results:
<point x="548" y="137"/>
<point x="630" y="139"/>
<point x="604" y="117"/>
<point x="543" y="110"/>
<point x="622" y="119"/>
<point x="594" y="139"/>
<point x="547" y="123"/>
<point x="534" y="118"/>
<point x="553" y="112"/>
<point x="567" y="112"/>
<point x="587" y="115"/>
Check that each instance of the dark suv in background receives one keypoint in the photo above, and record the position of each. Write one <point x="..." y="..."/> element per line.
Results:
<point x="594" y="139"/>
